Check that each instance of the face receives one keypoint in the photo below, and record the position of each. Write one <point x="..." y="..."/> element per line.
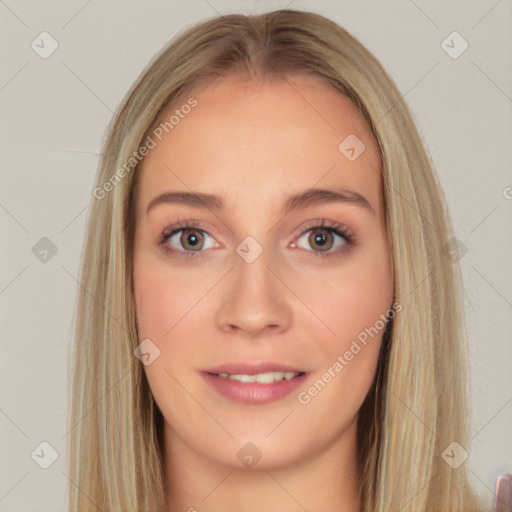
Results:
<point x="266" y="297"/>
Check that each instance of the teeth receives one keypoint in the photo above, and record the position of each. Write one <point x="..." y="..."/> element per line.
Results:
<point x="262" y="378"/>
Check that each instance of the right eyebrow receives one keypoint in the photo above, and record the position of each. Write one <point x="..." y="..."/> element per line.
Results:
<point x="189" y="198"/>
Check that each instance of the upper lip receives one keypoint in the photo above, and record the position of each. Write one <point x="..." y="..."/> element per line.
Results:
<point x="252" y="368"/>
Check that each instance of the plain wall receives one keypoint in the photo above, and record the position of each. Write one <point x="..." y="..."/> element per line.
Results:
<point x="54" y="113"/>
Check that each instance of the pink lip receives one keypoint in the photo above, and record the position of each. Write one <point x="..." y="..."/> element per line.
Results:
<point x="253" y="392"/>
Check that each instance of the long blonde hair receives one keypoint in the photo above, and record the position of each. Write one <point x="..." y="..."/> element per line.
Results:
<point x="418" y="404"/>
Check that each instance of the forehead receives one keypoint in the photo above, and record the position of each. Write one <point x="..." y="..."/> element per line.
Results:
<point x="261" y="136"/>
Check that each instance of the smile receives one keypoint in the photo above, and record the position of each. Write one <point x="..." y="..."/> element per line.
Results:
<point x="254" y="388"/>
<point x="262" y="378"/>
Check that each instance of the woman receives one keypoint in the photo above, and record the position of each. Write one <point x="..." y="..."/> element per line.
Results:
<point x="269" y="314"/>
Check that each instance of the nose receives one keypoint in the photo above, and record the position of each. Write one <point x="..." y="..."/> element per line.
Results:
<point x="254" y="300"/>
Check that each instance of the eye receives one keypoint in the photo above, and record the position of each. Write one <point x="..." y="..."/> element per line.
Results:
<point x="190" y="240"/>
<point x="325" y="239"/>
<point x="187" y="239"/>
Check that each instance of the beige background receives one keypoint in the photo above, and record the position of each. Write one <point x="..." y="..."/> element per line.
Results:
<point x="54" y="113"/>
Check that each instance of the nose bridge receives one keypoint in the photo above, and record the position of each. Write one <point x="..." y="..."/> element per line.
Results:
<point x="255" y="282"/>
<point x="252" y="266"/>
<point x="254" y="298"/>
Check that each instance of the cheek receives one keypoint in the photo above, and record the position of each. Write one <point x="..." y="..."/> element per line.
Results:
<point x="353" y="303"/>
<point x="162" y="295"/>
<point x="168" y="310"/>
<point x="162" y="302"/>
<point x="155" y="303"/>
<point x="353" y="299"/>
<point x="355" y="309"/>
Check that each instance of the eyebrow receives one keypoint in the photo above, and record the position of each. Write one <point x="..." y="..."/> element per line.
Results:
<point x="309" y="197"/>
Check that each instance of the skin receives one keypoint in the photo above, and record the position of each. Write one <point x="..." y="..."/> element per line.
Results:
<point x="253" y="143"/>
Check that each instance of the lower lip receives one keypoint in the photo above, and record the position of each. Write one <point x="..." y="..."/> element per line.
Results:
<point x="253" y="392"/>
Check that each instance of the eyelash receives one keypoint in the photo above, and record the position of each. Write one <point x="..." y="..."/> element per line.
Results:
<point x="327" y="225"/>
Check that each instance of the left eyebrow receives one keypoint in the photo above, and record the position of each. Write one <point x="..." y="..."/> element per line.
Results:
<point x="314" y="196"/>
<point x="309" y="197"/>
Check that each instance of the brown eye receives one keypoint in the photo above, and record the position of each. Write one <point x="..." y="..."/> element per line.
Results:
<point x="192" y="239"/>
<point x="188" y="240"/>
<point x="320" y="239"/>
<point x="326" y="239"/>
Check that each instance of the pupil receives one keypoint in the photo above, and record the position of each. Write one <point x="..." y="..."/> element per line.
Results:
<point x="320" y="239"/>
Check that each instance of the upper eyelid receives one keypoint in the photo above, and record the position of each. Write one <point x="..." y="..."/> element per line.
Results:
<point x="182" y="226"/>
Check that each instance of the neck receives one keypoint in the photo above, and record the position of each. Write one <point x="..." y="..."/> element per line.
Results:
<point x="325" y="481"/>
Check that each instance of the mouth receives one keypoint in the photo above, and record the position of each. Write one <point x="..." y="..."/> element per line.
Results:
<point x="262" y="378"/>
<point x="259" y="384"/>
